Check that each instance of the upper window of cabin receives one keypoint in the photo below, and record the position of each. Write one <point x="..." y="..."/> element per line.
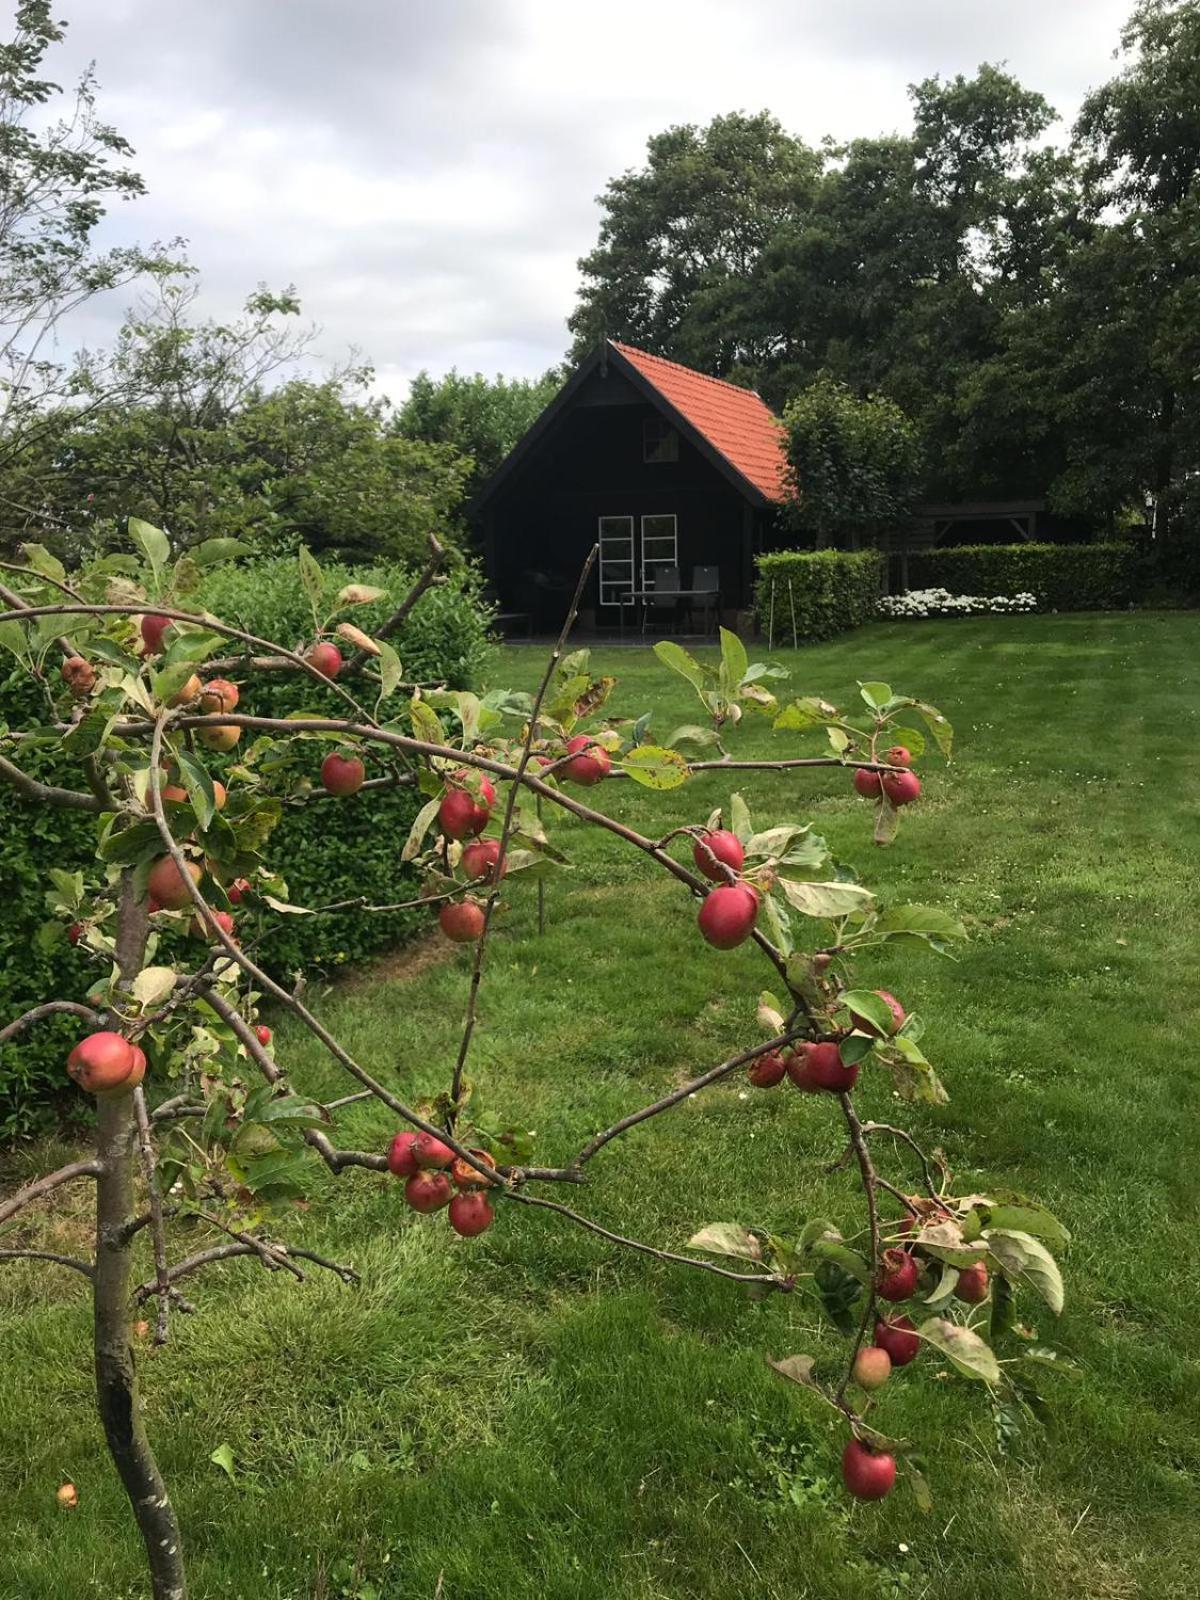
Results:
<point x="660" y="441"/>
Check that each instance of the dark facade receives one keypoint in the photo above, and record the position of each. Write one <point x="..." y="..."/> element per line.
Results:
<point x="611" y="461"/>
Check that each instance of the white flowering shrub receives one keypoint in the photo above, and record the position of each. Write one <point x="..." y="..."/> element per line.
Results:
<point x="941" y="603"/>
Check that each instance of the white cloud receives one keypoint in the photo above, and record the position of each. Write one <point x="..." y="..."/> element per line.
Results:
<point x="426" y="173"/>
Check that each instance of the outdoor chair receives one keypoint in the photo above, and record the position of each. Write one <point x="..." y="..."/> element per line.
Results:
<point x="662" y="595"/>
<point x="706" y="587"/>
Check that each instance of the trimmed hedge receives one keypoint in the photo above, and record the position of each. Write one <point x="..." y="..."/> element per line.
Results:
<point x="328" y="851"/>
<point x="1065" y="577"/>
<point x="817" y="593"/>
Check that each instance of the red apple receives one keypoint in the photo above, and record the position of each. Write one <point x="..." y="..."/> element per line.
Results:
<point x="727" y="848"/>
<point x="263" y="1034"/>
<point x="728" y="915"/>
<point x="819" y="1066"/>
<point x="868" y="1474"/>
<point x="238" y="890"/>
<point x="401" y="1158"/>
<point x="456" y="814"/>
<point x="898" y="756"/>
<point x="166" y="884"/>
<point x="586" y="769"/>
<point x="153" y="628"/>
<point x="219" y="695"/>
<point x="75" y="932"/>
<point x="897" y="1276"/>
<point x="482" y="807"/>
<point x="342" y="775"/>
<point x="105" y="1061"/>
<point x="898" y="1336"/>
<point x="461" y="921"/>
<point x="427" y="1191"/>
<point x="872" y="1367"/>
<point x="901" y="788"/>
<point x="431" y="1152"/>
<point x="221" y="737"/>
<point x="78" y="675"/>
<point x="867" y="783"/>
<point x="201" y="930"/>
<point x="471" y="1214"/>
<point x="482" y="859"/>
<point x="187" y="693"/>
<point x="466" y="1176"/>
<point x="894" y="1006"/>
<point x="326" y="658"/>
<point x="972" y="1285"/>
<point x="767" y="1070"/>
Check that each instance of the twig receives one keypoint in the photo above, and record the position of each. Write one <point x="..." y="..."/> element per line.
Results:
<point x="506" y="829"/>
<point x="46" y="794"/>
<point x="855" y="1130"/>
<point x="769" y="1279"/>
<point x="157" y="1231"/>
<point x="271" y="1256"/>
<point x="46" y="1185"/>
<point x="780" y="1042"/>
<point x="868" y="1128"/>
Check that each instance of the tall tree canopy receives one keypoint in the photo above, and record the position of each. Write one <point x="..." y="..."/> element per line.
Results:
<point x="480" y="417"/>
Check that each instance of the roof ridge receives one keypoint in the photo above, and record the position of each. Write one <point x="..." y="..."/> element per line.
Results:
<point x="649" y="355"/>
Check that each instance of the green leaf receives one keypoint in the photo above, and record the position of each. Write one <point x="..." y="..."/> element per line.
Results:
<point x="171" y="680"/>
<point x="963" y="1348"/>
<point x="733" y="658"/>
<point x="190" y="643"/>
<point x="313" y="580"/>
<point x="796" y="1369"/>
<point x="923" y="923"/>
<point x="912" y="739"/>
<point x="1026" y="1260"/>
<point x="779" y="926"/>
<point x="390" y="670"/>
<point x="222" y="1457"/>
<point x="864" y="1003"/>
<point x="153" y="984"/>
<point x="943" y="733"/>
<point x="825" y="899"/>
<point x="849" y="1261"/>
<point x="775" y="841"/>
<point x="839" y="740"/>
<point x="656" y="768"/>
<point x="39" y="560"/>
<point x="199" y="786"/>
<point x="154" y="545"/>
<point x="727" y="1239"/>
<point x="12" y="637"/>
<point x="69" y="886"/>
<point x="287" y="907"/>
<point x="876" y="695"/>
<point x="855" y="1047"/>
<point x="676" y="657"/>
<point x="426" y="724"/>
<point x="210" y="551"/>
<point x="739" y="818"/>
<point x="1042" y="1224"/>
<point x="692" y="733"/>
<point x="887" y="821"/>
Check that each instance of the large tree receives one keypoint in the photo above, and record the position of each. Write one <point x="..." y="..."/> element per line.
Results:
<point x="480" y="417"/>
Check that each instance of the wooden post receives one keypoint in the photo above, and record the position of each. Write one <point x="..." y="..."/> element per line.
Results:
<point x="792" y="600"/>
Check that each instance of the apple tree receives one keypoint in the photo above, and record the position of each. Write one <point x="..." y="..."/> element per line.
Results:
<point x="148" y="698"/>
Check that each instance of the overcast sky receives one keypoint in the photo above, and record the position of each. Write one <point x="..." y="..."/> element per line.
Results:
<point x="426" y="173"/>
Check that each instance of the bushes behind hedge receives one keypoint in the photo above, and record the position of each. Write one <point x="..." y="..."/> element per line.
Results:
<point x="816" y="593"/>
<point x="1065" y="577"/>
<point x="327" y="851"/>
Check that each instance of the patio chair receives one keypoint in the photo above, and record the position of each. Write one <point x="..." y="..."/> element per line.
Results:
<point x="706" y="581"/>
<point x="666" y="585"/>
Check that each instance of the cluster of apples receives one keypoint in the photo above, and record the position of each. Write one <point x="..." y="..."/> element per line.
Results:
<point x="106" y="1063"/>
<point x="816" y="1066"/>
<point x="728" y="912"/>
<point x="433" y="1173"/>
<point x="901" y="788"/>
<point x="869" y="1473"/>
<point x="464" y="815"/>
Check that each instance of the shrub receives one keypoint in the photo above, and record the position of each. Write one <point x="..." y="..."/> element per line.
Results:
<point x="941" y="603"/>
<point x="1064" y="577"/>
<point x="808" y="595"/>
<point x="328" y="851"/>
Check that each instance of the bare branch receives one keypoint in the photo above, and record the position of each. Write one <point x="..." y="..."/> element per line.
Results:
<point x="43" y="1186"/>
<point x="272" y="1256"/>
<point x="47" y="794"/>
<point x="48" y="1255"/>
<point x="906" y="1138"/>
<point x="52" y="1008"/>
<point x="867" y="1170"/>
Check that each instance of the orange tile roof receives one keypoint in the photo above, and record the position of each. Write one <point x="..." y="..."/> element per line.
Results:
<point x="736" y="422"/>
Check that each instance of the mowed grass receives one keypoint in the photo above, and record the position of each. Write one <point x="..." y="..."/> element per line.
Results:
<point x="538" y="1414"/>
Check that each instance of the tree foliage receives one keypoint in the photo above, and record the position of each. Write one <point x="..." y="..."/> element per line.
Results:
<point x="482" y="418"/>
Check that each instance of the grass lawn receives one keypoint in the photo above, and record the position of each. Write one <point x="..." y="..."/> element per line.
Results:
<point x="537" y="1416"/>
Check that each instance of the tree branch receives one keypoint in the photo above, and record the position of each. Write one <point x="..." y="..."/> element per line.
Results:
<point x="43" y="1186"/>
<point x="52" y="1008"/>
<point x="47" y="1255"/>
<point x="46" y="794"/>
<point x="157" y="1229"/>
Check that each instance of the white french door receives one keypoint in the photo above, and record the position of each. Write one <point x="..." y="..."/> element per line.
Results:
<point x="633" y="552"/>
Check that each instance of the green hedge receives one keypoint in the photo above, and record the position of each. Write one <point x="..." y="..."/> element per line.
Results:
<point x="813" y="594"/>
<point x="327" y="851"/>
<point x="1065" y="577"/>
